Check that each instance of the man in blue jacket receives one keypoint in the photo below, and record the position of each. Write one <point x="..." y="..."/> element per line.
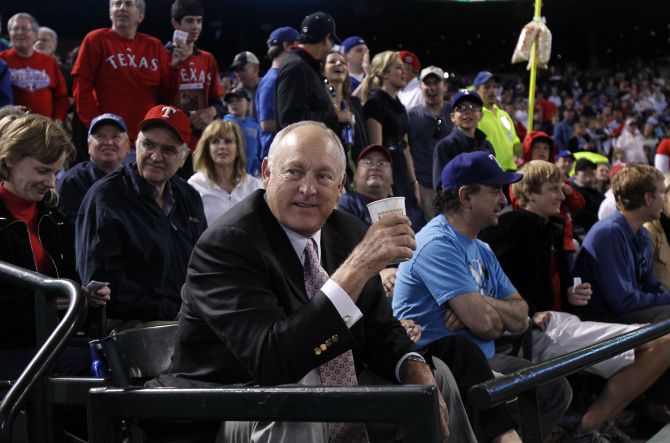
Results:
<point x="137" y="226"/>
<point x="616" y="257"/>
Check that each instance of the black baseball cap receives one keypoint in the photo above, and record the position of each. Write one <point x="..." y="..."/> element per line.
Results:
<point x="316" y="26"/>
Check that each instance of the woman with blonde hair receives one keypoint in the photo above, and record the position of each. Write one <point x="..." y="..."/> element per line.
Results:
<point x="387" y="125"/>
<point x="33" y="236"/>
<point x="220" y="163"/>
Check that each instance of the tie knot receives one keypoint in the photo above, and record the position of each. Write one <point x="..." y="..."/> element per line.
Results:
<point x="310" y="256"/>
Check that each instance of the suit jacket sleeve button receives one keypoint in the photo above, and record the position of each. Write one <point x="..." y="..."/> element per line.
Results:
<point x="323" y="346"/>
<point x="335" y="338"/>
<point x="317" y="351"/>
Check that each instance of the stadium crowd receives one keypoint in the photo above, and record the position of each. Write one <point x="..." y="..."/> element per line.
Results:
<point x="237" y="206"/>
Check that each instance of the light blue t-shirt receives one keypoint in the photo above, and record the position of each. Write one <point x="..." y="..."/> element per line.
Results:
<point x="266" y="107"/>
<point x="446" y="264"/>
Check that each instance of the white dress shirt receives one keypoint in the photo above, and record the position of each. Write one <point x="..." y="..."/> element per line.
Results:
<point x="343" y="303"/>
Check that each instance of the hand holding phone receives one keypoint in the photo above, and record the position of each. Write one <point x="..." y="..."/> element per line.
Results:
<point x="179" y="37"/>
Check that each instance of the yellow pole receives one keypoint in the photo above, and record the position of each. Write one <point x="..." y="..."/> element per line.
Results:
<point x="533" y="72"/>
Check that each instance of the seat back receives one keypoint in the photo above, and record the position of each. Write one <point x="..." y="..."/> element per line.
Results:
<point x="137" y="355"/>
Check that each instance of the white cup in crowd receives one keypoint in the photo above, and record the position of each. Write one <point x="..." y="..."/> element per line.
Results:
<point x="381" y="208"/>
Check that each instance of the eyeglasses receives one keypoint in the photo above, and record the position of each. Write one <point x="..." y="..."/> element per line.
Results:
<point x="22" y="29"/>
<point x="438" y="127"/>
<point x="101" y="138"/>
<point x="168" y="151"/>
<point x="378" y="163"/>
<point x="467" y="107"/>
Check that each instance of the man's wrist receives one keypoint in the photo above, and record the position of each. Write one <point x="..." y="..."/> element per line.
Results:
<point x="414" y="370"/>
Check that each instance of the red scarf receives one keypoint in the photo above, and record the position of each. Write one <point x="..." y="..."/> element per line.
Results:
<point x="26" y="211"/>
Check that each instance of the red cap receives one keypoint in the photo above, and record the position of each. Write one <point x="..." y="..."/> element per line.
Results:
<point x="372" y="148"/>
<point x="411" y="59"/>
<point x="615" y="169"/>
<point x="171" y="117"/>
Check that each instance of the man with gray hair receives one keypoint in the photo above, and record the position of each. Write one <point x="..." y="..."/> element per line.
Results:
<point x="283" y="289"/>
<point x="37" y="82"/>
<point x="122" y="71"/>
<point x="47" y="42"/>
<point x="137" y="226"/>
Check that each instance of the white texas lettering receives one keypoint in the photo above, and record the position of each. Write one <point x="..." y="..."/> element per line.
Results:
<point x="131" y="61"/>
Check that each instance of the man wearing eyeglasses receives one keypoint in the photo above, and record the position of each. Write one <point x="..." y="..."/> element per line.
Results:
<point x="108" y="144"/>
<point x="137" y="226"/>
<point x="428" y="123"/>
<point x="466" y="113"/>
<point x="373" y="179"/>
<point x="36" y="80"/>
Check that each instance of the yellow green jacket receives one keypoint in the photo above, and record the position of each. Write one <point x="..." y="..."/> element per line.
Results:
<point x="499" y="130"/>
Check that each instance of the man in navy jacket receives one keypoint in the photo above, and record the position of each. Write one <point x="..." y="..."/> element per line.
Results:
<point x="137" y="226"/>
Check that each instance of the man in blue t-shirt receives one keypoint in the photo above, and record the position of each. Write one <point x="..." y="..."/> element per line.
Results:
<point x="278" y="43"/>
<point x="453" y="284"/>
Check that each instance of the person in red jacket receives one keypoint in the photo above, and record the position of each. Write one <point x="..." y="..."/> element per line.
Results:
<point x="122" y="71"/>
<point x="37" y="82"/>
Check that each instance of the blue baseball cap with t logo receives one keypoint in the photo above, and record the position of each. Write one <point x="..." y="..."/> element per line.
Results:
<point x="478" y="167"/>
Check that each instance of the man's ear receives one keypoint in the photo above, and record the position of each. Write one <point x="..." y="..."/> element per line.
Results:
<point x="265" y="172"/>
<point x="464" y="195"/>
<point x="648" y="198"/>
<point x="175" y="24"/>
<point x="184" y="155"/>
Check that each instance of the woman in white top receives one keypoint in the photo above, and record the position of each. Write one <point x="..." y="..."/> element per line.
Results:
<point x="220" y="161"/>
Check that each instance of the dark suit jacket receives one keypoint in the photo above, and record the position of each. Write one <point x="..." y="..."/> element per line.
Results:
<point x="245" y="316"/>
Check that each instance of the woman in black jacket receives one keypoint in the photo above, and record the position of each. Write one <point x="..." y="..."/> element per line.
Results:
<point x="32" y="235"/>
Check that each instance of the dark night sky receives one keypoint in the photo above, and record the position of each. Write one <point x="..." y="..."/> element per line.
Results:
<point x="461" y="37"/>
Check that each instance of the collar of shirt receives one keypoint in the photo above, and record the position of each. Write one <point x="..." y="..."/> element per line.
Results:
<point x="299" y="242"/>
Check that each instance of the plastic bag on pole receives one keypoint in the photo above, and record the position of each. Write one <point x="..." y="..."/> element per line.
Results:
<point x="543" y="46"/>
<point x="534" y="31"/>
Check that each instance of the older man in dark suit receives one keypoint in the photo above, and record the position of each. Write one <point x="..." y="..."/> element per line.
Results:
<point x="283" y="289"/>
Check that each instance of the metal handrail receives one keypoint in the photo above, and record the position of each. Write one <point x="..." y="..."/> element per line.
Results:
<point x="52" y="346"/>
<point x="494" y="392"/>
